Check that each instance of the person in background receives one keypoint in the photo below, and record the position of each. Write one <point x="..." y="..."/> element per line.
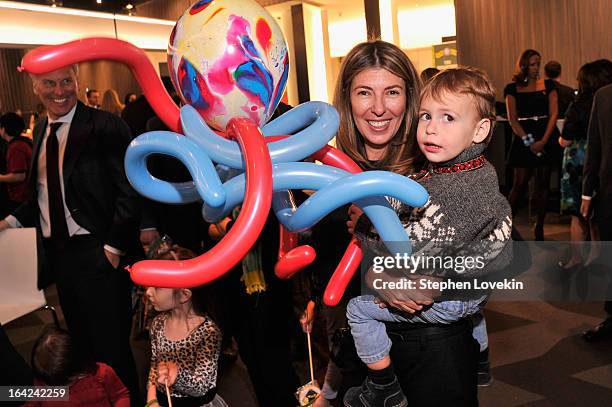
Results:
<point x="93" y="98"/>
<point x="56" y="361"/>
<point x="18" y="159"/>
<point x="565" y="94"/>
<point x="129" y="98"/>
<point x="86" y="218"/>
<point x="111" y="102"/>
<point x="591" y="77"/>
<point x="597" y="188"/>
<point x="185" y="342"/>
<point x="427" y="74"/>
<point x="535" y="151"/>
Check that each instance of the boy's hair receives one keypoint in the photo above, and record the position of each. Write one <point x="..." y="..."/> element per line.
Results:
<point x="56" y="360"/>
<point x="12" y="123"/>
<point x="552" y="69"/>
<point x="465" y="81"/>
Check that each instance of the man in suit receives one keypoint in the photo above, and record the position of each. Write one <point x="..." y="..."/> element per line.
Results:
<point x="85" y="213"/>
<point x="597" y="186"/>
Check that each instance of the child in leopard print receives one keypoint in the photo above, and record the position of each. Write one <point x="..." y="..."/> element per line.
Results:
<point x="185" y="344"/>
<point x="456" y="116"/>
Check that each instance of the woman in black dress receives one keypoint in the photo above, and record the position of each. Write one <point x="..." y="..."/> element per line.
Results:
<point x="532" y="112"/>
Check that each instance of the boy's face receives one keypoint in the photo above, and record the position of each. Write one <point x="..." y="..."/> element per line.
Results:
<point x="448" y="126"/>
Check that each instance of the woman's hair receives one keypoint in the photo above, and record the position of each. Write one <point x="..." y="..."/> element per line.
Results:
<point x="202" y="297"/>
<point x="55" y="359"/>
<point x="403" y="155"/>
<point x="469" y="81"/>
<point x="522" y="67"/>
<point x="111" y="102"/>
<point x="592" y="76"/>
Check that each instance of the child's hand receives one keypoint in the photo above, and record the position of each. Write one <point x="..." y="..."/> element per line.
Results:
<point x="354" y="213"/>
<point x="308" y="317"/>
<point x="166" y="373"/>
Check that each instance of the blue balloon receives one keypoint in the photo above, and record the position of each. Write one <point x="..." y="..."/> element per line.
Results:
<point x="206" y="183"/>
<point x="315" y="123"/>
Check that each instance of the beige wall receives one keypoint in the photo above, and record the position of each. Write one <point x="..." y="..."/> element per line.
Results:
<point x="492" y="34"/>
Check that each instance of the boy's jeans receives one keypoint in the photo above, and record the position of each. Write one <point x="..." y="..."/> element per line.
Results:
<point x="366" y="320"/>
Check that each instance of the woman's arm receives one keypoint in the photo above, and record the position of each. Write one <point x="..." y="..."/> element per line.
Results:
<point x="513" y="117"/>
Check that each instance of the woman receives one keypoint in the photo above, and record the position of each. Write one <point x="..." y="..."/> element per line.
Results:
<point x="532" y="112"/>
<point x="111" y="102"/>
<point x="591" y="77"/>
<point x="377" y="97"/>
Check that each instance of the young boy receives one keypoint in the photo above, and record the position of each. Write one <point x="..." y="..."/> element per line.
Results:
<point x="456" y="118"/>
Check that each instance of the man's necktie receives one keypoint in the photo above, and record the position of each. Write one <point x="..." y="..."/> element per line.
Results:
<point x="59" y="228"/>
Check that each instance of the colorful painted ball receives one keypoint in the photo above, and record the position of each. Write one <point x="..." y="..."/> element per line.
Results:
<point x="228" y="58"/>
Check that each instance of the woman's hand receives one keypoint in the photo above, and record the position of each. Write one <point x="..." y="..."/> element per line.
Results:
<point x="166" y="373"/>
<point x="585" y="208"/>
<point x="563" y="142"/>
<point x="354" y="213"/>
<point x="537" y="147"/>
<point x="307" y="317"/>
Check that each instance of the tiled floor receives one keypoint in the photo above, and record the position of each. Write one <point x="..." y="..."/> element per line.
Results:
<point x="537" y="353"/>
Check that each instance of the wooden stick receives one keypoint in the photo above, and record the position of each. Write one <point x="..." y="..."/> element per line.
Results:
<point x="310" y="358"/>
<point x="168" y="394"/>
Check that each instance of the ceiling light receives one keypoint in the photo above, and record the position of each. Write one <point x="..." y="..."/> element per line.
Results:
<point x="129" y="6"/>
<point x="99" y="1"/>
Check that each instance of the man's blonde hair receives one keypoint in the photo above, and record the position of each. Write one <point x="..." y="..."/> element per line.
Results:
<point x="469" y="81"/>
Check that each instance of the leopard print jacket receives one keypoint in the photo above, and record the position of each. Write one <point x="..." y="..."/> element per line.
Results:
<point x="196" y="356"/>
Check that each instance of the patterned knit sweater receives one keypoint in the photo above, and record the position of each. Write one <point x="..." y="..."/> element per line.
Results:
<point x="465" y="215"/>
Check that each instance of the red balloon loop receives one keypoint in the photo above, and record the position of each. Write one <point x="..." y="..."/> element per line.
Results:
<point x="343" y="274"/>
<point x="52" y="57"/>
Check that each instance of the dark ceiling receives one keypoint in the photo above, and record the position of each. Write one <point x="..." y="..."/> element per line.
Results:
<point x="110" y="6"/>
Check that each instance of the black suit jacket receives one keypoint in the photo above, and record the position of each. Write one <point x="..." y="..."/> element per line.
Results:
<point x="97" y="192"/>
<point x="597" y="175"/>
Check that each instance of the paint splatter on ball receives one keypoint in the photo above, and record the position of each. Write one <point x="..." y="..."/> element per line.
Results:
<point x="228" y="58"/>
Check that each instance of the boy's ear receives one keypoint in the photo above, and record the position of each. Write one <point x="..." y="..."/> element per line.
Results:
<point x="483" y="127"/>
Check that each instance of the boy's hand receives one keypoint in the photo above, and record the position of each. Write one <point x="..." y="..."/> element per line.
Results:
<point x="166" y="373"/>
<point x="4" y="225"/>
<point x="354" y="213"/>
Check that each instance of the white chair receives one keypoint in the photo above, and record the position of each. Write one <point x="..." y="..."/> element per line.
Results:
<point x="19" y="294"/>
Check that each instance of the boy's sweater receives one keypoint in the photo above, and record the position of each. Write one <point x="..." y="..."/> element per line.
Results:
<point x="465" y="215"/>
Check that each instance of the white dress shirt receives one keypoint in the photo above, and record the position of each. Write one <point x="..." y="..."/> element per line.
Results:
<point x="42" y="187"/>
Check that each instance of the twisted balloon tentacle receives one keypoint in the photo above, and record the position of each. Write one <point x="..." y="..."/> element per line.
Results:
<point x="317" y="121"/>
<point x="234" y="246"/>
<point x="51" y="57"/>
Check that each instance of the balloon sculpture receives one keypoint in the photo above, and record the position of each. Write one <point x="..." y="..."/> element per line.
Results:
<point x="229" y="63"/>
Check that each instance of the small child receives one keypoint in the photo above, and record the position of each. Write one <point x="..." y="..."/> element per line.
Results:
<point x="456" y="118"/>
<point x="56" y="362"/>
<point x="185" y="344"/>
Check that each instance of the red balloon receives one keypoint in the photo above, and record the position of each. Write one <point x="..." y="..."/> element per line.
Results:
<point x="241" y="237"/>
<point x="343" y="274"/>
<point x="292" y="258"/>
<point x="52" y="57"/>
